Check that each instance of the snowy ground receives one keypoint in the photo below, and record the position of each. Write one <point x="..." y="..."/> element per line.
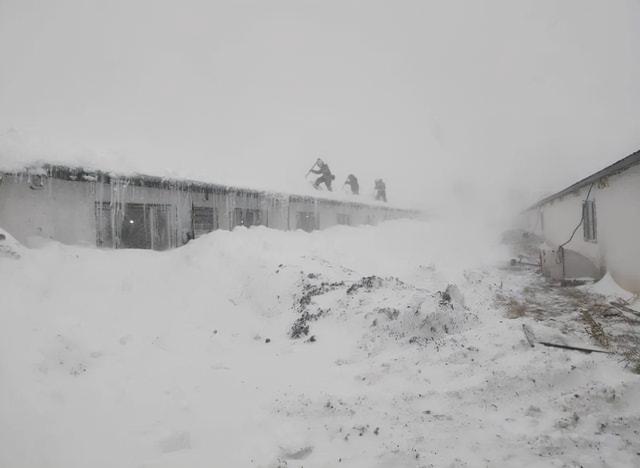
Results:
<point x="186" y="358"/>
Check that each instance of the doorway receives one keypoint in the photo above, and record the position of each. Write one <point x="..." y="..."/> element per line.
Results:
<point x="146" y="226"/>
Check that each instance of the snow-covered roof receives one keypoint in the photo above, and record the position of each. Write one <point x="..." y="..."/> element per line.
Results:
<point x="615" y="168"/>
<point x="91" y="174"/>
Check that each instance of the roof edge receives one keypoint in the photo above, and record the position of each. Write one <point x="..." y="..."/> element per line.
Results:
<point x="613" y="169"/>
<point x="82" y="174"/>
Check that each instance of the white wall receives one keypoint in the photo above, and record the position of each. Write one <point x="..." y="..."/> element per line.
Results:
<point x="64" y="210"/>
<point x="618" y="213"/>
<point x="61" y="210"/>
<point x="617" y="248"/>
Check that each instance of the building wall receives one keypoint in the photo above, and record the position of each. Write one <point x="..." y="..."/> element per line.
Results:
<point x="618" y="213"/>
<point x="61" y="210"/>
<point x="94" y="212"/>
<point x="617" y="250"/>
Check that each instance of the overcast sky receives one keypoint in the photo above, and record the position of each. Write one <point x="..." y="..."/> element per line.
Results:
<point x="430" y="95"/>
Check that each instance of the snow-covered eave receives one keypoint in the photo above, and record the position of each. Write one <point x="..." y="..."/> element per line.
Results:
<point x="90" y="174"/>
<point x="613" y="169"/>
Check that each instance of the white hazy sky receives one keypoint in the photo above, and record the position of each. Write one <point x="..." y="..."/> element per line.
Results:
<point x="520" y="95"/>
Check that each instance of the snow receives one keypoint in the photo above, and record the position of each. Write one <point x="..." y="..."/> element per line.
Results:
<point x="136" y="358"/>
<point x="19" y="152"/>
<point x="609" y="288"/>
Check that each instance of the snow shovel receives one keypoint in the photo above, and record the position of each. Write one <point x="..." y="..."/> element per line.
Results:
<point x="314" y="165"/>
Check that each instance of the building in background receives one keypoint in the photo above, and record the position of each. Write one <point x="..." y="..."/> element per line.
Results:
<point x="593" y="226"/>
<point x="85" y="207"/>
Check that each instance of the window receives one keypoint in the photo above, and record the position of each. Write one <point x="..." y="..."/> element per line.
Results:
<point x="246" y="218"/>
<point x="344" y="219"/>
<point x="146" y="226"/>
<point x="104" y="224"/>
<point x="306" y="220"/>
<point x="589" y="225"/>
<point x="205" y="220"/>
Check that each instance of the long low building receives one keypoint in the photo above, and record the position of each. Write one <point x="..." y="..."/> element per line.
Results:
<point x="73" y="205"/>
<point x="593" y="226"/>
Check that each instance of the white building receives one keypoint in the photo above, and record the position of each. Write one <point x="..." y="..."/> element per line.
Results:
<point x="85" y="207"/>
<point x="593" y="226"/>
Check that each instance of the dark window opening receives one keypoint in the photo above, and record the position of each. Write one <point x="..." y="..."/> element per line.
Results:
<point x="589" y="225"/>
<point x="306" y="220"/>
<point x="246" y="217"/>
<point x="104" y="224"/>
<point x="205" y="220"/>
<point x="344" y="219"/>
<point x="146" y="227"/>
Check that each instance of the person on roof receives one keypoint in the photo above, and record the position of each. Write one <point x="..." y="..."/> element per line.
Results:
<point x="352" y="182"/>
<point x="326" y="177"/>
<point x="381" y="190"/>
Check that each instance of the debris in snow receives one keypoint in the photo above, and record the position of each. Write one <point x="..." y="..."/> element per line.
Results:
<point x="451" y="296"/>
<point x="390" y="312"/>
<point x="531" y="339"/>
<point x="624" y="308"/>
<point x="574" y="348"/>
<point x="78" y="369"/>
<point x="374" y="282"/>
<point x="529" y="335"/>
<point x="9" y="247"/>
<point x="568" y="423"/>
<point x="310" y="290"/>
<point x="595" y="329"/>
<point x="361" y="429"/>
<point x="300" y="327"/>
<point x="300" y="454"/>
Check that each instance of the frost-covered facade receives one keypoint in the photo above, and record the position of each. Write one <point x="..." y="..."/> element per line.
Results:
<point x="593" y="226"/>
<point x="84" y="207"/>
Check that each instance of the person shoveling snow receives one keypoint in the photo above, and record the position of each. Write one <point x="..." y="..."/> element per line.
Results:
<point x="326" y="177"/>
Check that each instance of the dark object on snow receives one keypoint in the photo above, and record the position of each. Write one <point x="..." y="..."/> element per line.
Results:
<point x="572" y="283"/>
<point x="531" y="338"/>
<point x="298" y="454"/>
<point x="574" y="348"/>
<point x="300" y="327"/>
<point x="619" y="305"/>
<point x="445" y="298"/>
<point x="352" y="182"/>
<point x="450" y="296"/>
<point x="268" y="340"/>
<point x="515" y="262"/>
<point x="368" y="282"/>
<point x="528" y="334"/>
<point x="381" y="190"/>
<point x="326" y="177"/>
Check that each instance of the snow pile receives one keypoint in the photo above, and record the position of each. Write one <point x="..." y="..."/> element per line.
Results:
<point x="360" y="347"/>
<point x="609" y="288"/>
<point x="380" y="308"/>
<point x="9" y="246"/>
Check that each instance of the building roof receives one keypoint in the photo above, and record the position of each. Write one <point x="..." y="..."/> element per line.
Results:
<point x="83" y="174"/>
<point x="615" y="168"/>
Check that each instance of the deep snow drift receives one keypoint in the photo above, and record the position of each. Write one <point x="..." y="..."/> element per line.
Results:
<point x="361" y="347"/>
